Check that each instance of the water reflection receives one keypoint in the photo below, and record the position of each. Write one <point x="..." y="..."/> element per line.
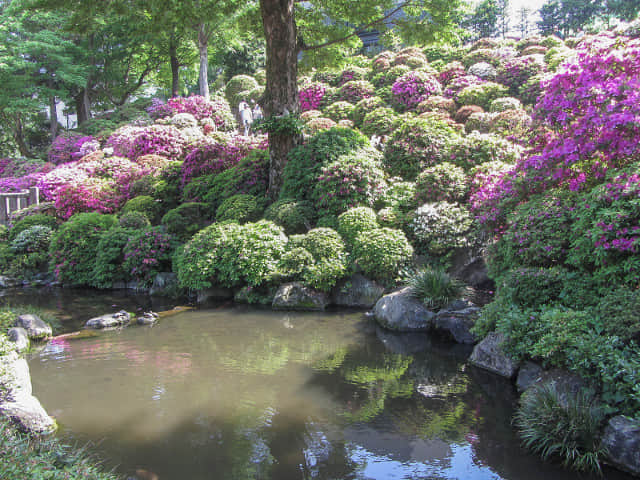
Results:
<point x="240" y="394"/>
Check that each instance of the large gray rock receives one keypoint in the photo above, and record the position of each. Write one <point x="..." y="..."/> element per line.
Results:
<point x="164" y="282"/>
<point x="457" y="324"/>
<point x="357" y="292"/>
<point x="16" y="399"/>
<point x="295" y="296"/>
<point x="567" y="384"/>
<point x="35" y="327"/>
<point x="530" y="373"/>
<point x="488" y="354"/>
<point x="20" y="337"/>
<point x="401" y="312"/>
<point x="109" y="320"/>
<point x="622" y="441"/>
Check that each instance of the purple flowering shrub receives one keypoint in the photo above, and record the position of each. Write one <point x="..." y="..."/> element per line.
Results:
<point x="17" y="175"/>
<point x="217" y="153"/>
<point x="456" y="85"/>
<point x="355" y="90"/>
<point x="216" y="108"/>
<point x="147" y="253"/>
<point x="71" y="146"/>
<point x="310" y="96"/>
<point x="451" y="71"/>
<point x="351" y="73"/>
<point x="517" y="71"/>
<point x="388" y="77"/>
<point x="162" y="140"/>
<point x="414" y="87"/>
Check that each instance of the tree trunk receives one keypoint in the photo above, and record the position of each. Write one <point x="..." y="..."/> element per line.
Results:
<point x="281" y="91"/>
<point x="53" y="114"/>
<point x="175" y="67"/>
<point x="203" y="49"/>
<point x="18" y="136"/>
<point x="81" y="113"/>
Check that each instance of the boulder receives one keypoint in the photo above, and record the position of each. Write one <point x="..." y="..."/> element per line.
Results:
<point x="622" y="441"/>
<point x="529" y="374"/>
<point x="295" y="296"/>
<point x="213" y="293"/>
<point x="35" y="327"/>
<point x="164" y="282"/>
<point x="109" y="320"/>
<point x="147" y="318"/>
<point x="8" y="282"/>
<point x="488" y="354"/>
<point x="401" y="312"/>
<point x="568" y="384"/>
<point x="457" y="324"/>
<point x="20" y="337"/>
<point x="357" y="292"/>
<point x="16" y="399"/>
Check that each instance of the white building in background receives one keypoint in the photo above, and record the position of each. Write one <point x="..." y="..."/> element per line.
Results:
<point x="67" y="121"/>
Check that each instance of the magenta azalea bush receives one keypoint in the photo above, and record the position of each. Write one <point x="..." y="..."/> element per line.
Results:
<point x="414" y="87"/>
<point x="310" y="96"/>
<point x="216" y="109"/>
<point x="71" y="146"/>
<point x="17" y="175"/>
<point x="162" y="140"/>
<point x="455" y="86"/>
<point x="146" y="254"/>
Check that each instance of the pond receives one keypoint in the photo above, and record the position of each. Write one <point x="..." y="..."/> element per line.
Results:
<point x="239" y="393"/>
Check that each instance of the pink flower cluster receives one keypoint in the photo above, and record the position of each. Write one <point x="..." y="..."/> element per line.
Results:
<point x="311" y="96"/>
<point x="71" y="146"/>
<point x="216" y="108"/>
<point x="414" y="87"/>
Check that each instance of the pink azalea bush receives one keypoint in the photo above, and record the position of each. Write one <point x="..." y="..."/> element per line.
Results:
<point x="216" y="108"/>
<point x="414" y="87"/>
<point x="311" y="95"/>
<point x="71" y="146"/>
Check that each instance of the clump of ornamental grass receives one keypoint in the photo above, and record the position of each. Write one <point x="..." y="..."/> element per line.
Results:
<point x="565" y="426"/>
<point x="434" y="287"/>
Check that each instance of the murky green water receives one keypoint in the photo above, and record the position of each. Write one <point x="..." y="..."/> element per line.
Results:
<point x="245" y="394"/>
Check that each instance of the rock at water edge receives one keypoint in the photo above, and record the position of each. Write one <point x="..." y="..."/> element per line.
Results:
<point x="35" y="327"/>
<point x="488" y="354"/>
<point x="622" y="441"/>
<point x="400" y="312"/>
<point x="295" y="296"/>
<point x="357" y="292"/>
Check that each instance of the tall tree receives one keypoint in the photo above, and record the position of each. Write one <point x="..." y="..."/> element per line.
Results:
<point x="524" y="24"/>
<point x="325" y="23"/>
<point x="623" y="9"/>
<point x="484" y="19"/>
<point x="565" y="17"/>
<point x="503" y="17"/>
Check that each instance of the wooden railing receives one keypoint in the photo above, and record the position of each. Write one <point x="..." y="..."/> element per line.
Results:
<point x="10" y="202"/>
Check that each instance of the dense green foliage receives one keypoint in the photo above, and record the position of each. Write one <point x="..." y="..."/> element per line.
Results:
<point x="435" y="288"/>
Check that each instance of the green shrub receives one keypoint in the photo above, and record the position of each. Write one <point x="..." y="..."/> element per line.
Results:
<point x="339" y="110"/>
<point x="505" y="103"/>
<point x="134" y="220"/>
<point x="363" y="107"/>
<point x="33" y="239"/>
<point x="30" y="221"/>
<point x="293" y="215"/>
<point x="380" y="121"/>
<point x="440" y="227"/>
<point x="147" y="253"/>
<point x="435" y="288"/>
<point x="4" y="233"/>
<point x="352" y="180"/>
<point x="533" y="287"/>
<point x="477" y="148"/>
<point x="231" y="255"/>
<point x="110" y="258"/>
<point x="381" y="253"/>
<point x="355" y="221"/>
<point x="293" y="262"/>
<point x="442" y="182"/>
<point x="145" y="204"/>
<point x="399" y="195"/>
<point x="238" y="84"/>
<point x="329" y="254"/>
<point x="564" y="425"/>
<point x="240" y="208"/>
<point x="74" y="245"/>
<point x="482" y="94"/>
<point x="186" y="220"/>
<point x="417" y="144"/>
<point x="306" y="161"/>
<point x="6" y="256"/>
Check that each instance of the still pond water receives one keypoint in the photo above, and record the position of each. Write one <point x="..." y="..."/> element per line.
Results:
<point x="239" y="393"/>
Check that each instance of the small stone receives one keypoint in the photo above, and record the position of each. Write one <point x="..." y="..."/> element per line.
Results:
<point x="488" y="354"/>
<point x="20" y="337"/>
<point x="35" y="327"/>
<point x="622" y="441"/>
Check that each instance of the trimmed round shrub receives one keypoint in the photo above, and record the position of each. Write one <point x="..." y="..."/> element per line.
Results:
<point x="241" y="208"/>
<point x="134" y="220"/>
<point x="399" y="194"/>
<point x="456" y="85"/>
<point x="417" y="144"/>
<point x="295" y="216"/>
<point x="73" y="247"/>
<point x="482" y="94"/>
<point x="306" y="161"/>
<point x="339" y="110"/>
<point x="355" y="90"/>
<point x="293" y="262"/>
<point x="354" y="179"/>
<point x="363" y="107"/>
<point x="311" y="95"/>
<point x="109" y="267"/>
<point x="183" y="120"/>
<point x="437" y="103"/>
<point x="380" y="121"/>
<point x="145" y="204"/>
<point x="531" y="90"/>
<point x="442" y="182"/>
<point x="163" y="140"/>
<point x="412" y="57"/>
<point x="464" y="113"/>
<point x="480" y="55"/>
<point x="355" y="221"/>
<point x="477" y="148"/>
<point x="516" y="71"/>
<point x="505" y="103"/>
<point x="237" y="84"/>
<point x="231" y="255"/>
<point x="329" y="257"/>
<point x="30" y="221"/>
<point x="32" y="239"/>
<point x="451" y="71"/>
<point x="484" y="70"/>
<point x="381" y="252"/>
<point x="441" y="227"/>
<point x="310" y="115"/>
<point x="351" y="73"/>
<point x="534" y="50"/>
<point x="326" y="76"/>
<point x="317" y="125"/>
<point x="147" y="253"/>
<point x="186" y="220"/>
<point x="414" y="87"/>
<point x="388" y="77"/>
<point x="478" y="123"/>
<point x="512" y="123"/>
